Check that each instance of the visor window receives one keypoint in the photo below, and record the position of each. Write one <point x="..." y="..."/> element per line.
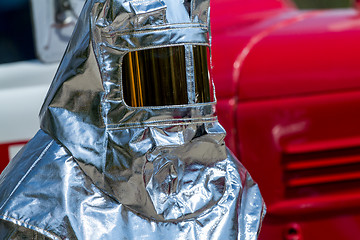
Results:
<point x="158" y="77"/>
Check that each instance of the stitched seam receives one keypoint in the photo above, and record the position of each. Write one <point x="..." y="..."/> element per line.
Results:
<point x="190" y="120"/>
<point x="190" y="73"/>
<point x="27" y="173"/>
<point x="156" y="46"/>
<point x="134" y="31"/>
<point x="97" y="53"/>
<point x="133" y="125"/>
<point x="192" y="10"/>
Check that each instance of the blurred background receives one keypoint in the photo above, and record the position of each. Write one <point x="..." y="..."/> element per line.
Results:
<point x="16" y="37"/>
<point x="16" y="32"/>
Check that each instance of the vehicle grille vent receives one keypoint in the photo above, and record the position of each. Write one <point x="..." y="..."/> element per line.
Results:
<point x="314" y="173"/>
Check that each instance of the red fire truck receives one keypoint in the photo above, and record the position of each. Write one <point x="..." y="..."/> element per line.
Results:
<point x="288" y="89"/>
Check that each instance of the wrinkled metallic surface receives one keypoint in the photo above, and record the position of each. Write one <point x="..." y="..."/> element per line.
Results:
<point x="99" y="169"/>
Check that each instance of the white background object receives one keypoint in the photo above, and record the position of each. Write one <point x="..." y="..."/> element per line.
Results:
<point x="23" y="87"/>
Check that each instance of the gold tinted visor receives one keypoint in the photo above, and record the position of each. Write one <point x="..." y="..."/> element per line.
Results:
<point x="166" y="76"/>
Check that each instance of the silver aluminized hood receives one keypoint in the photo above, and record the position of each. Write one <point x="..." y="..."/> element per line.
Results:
<point x="133" y="172"/>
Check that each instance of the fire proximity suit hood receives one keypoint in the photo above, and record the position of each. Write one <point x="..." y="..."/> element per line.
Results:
<point x="101" y="168"/>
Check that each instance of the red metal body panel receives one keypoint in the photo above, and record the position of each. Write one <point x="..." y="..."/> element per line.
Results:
<point x="305" y="154"/>
<point x="306" y="54"/>
<point x="5" y="152"/>
<point x="291" y="80"/>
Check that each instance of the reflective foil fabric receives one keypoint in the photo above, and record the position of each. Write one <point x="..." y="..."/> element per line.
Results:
<point x="100" y="169"/>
